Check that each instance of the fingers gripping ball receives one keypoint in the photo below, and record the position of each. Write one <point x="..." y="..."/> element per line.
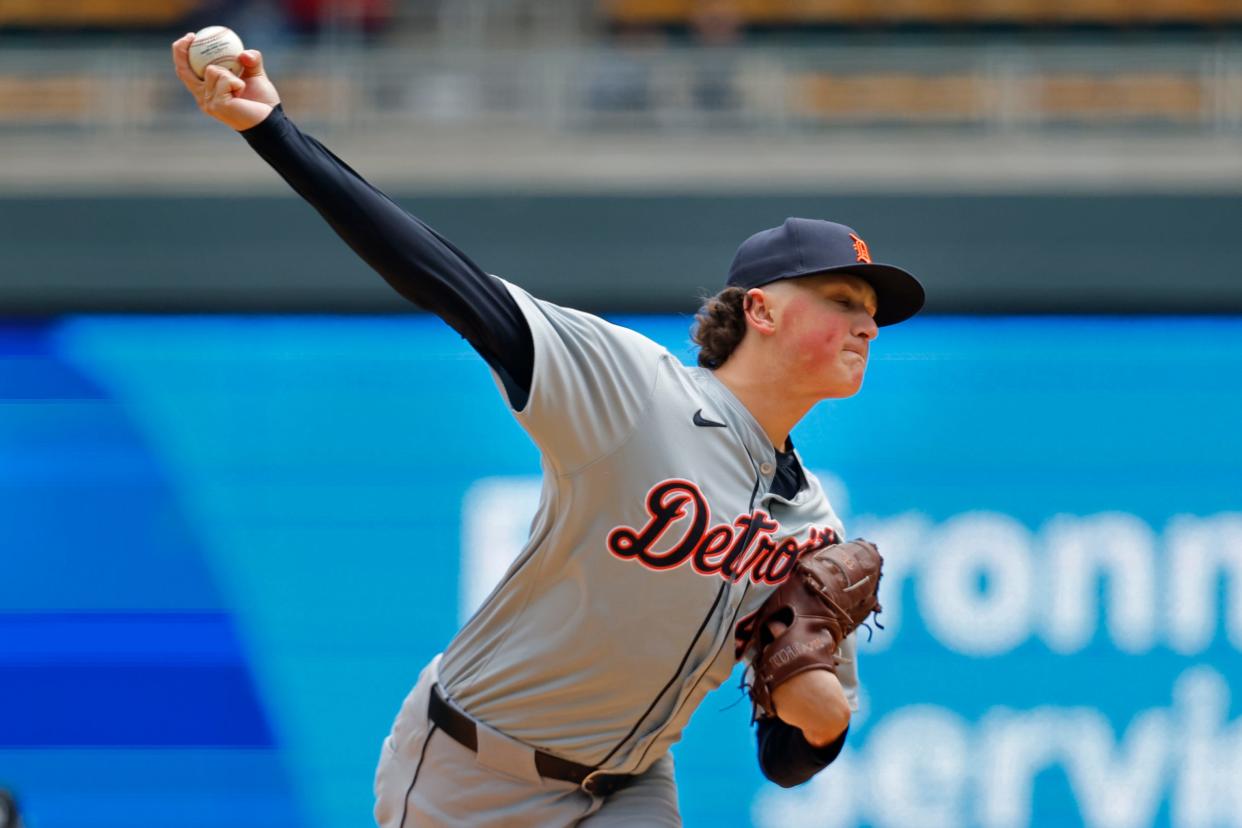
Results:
<point x="827" y="596"/>
<point x="215" y="46"/>
<point x="220" y="91"/>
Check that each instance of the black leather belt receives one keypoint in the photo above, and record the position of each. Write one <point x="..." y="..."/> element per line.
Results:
<point x="465" y="732"/>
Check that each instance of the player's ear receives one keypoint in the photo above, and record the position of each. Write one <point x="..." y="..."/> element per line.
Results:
<point x="757" y="306"/>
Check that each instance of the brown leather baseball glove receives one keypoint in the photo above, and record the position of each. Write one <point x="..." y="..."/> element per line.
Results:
<point x="829" y="593"/>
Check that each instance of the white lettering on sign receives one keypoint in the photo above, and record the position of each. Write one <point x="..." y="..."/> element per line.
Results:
<point x="1082" y="551"/>
<point x="985" y="569"/>
<point x="930" y="757"/>
<point x="976" y="588"/>
<point x="1202" y="551"/>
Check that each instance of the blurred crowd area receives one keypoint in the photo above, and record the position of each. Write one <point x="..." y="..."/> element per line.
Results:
<point x="648" y="66"/>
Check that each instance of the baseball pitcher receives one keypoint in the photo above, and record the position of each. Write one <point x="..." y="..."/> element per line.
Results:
<point x="677" y="532"/>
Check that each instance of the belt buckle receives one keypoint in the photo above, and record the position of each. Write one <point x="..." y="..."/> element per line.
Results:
<point x="596" y="783"/>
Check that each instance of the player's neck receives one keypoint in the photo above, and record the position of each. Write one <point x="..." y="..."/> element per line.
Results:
<point x="764" y="395"/>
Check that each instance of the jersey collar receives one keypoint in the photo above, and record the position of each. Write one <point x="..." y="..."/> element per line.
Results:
<point x="741" y="420"/>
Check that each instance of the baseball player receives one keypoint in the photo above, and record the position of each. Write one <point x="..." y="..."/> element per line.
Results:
<point x="673" y="506"/>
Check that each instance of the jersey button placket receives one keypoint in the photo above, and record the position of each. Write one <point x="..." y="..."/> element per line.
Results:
<point x="766" y="469"/>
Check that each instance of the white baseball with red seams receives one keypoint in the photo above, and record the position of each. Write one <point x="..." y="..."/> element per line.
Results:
<point x="215" y="46"/>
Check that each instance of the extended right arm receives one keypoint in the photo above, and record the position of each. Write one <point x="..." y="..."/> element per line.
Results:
<point x="418" y="262"/>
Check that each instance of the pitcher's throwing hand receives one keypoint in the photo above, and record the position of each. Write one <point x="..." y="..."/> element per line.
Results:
<point x="237" y="102"/>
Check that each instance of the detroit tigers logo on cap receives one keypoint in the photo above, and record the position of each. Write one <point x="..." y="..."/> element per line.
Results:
<point x="860" y="249"/>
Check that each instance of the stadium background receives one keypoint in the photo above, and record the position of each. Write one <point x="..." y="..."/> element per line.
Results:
<point x="247" y="491"/>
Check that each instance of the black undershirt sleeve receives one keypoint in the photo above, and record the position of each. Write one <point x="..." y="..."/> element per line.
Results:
<point x="787" y="758"/>
<point x="418" y="262"/>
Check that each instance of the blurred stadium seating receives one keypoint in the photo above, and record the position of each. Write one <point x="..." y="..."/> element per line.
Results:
<point x="89" y="13"/>
<point x="775" y="90"/>
<point x="558" y="65"/>
<point x="120" y="15"/>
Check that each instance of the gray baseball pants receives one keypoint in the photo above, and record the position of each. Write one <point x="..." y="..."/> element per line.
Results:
<point x="425" y="778"/>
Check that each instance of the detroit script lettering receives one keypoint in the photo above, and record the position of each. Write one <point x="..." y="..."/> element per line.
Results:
<point x="733" y="551"/>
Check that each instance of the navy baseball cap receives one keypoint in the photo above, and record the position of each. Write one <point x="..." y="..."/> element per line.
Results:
<point x="804" y="247"/>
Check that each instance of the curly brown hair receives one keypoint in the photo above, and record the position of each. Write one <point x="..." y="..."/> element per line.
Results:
<point x="719" y="326"/>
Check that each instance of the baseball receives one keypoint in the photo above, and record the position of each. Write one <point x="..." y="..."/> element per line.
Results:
<point x="215" y="46"/>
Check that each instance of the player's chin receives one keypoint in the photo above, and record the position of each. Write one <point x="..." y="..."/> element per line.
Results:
<point x="835" y="379"/>
<point x="841" y="390"/>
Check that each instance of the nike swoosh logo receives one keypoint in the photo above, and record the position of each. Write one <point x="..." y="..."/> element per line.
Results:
<point x="699" y="420"/>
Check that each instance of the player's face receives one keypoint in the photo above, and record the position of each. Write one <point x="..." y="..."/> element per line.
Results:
<point x="825" y="325"/>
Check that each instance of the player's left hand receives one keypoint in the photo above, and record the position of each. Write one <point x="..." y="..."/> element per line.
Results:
<point x="797" y="631"/>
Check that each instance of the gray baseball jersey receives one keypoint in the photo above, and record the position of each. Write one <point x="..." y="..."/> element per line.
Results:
<point x="655" y="535"/>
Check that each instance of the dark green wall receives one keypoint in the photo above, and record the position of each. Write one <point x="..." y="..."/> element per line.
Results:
<point x="990" y="254"/>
